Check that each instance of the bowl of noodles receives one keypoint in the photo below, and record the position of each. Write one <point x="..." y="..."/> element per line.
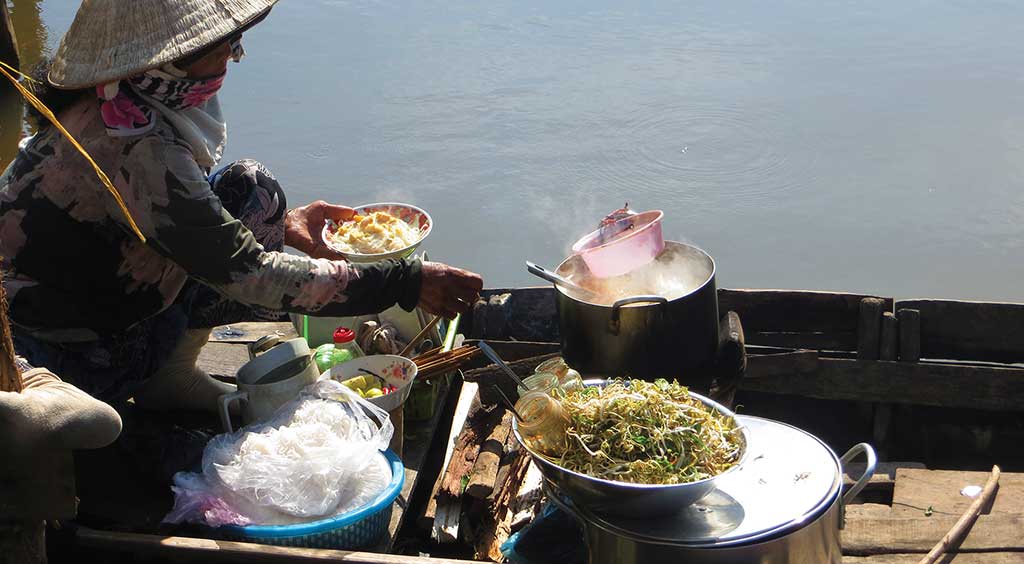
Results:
<point x="639" y="449"/>
<point x="378" y="231"/>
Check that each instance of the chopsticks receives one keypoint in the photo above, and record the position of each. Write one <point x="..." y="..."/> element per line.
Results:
<point x="437" y="361"/>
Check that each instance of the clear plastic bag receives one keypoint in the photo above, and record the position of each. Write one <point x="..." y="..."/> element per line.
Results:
<point x="313" y="455"/>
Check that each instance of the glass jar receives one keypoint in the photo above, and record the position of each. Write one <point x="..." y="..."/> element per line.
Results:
<point x="543" y="422"/>
<point x="545" y="382"/>
<point x="568" y="379"/>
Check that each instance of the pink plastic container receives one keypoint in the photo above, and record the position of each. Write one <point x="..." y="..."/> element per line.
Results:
<point x="622" y="246"/>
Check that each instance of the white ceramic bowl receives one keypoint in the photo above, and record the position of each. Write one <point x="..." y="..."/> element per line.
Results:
<point x="417" y="218"/>
<point x="397" y="371"/>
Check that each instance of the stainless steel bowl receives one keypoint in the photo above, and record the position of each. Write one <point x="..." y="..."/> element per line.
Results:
<point x="626" y="499"/>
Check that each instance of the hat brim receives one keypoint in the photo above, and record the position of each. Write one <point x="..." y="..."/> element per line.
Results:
<point x="114" y="39"/>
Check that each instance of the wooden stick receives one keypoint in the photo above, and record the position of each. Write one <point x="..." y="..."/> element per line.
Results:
<point x="10" y="376"/>
<point x="485" y="470"/>
<point x="965" y="522"/>
<point x="408" y="348"/>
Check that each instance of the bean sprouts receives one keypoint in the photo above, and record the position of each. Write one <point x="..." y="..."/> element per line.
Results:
<point x="647" y="433"/>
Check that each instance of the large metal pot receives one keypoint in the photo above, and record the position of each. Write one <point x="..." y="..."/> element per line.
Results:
<point x="645" y="336"/>
<point x="784" y="507"/>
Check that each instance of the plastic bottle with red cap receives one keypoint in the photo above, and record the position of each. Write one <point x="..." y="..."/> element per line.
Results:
<point x="343" y="349"/>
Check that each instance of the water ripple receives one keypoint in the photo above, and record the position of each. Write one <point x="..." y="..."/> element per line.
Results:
<point x="688" y="149"/>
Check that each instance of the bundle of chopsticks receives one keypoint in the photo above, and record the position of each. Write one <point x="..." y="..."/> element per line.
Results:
<point x="437" y="361"/>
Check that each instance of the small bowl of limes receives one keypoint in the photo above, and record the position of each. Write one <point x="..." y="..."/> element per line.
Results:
<point x="384" y="380"/>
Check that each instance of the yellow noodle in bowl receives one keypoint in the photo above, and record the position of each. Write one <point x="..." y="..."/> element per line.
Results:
<point x="378" y="231"/>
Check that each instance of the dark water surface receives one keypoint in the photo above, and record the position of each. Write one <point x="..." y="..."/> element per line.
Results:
<point x="870" y="147"/>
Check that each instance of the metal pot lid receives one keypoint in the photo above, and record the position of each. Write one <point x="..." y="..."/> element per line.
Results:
<point x="789" y="479"/>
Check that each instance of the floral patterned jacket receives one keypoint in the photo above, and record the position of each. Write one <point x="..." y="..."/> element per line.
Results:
<point x="73" y="269"/>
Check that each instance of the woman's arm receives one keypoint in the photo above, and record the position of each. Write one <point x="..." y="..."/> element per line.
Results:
<point x="189" y="225"/>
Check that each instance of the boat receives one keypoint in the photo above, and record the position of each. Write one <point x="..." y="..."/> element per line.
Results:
<point x="937" y="386"/>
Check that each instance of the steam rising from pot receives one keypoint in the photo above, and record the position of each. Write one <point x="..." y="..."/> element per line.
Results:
<point x="677" y="271"/>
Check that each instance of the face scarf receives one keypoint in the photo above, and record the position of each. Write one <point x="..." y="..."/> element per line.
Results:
<point x="124" y="106"/>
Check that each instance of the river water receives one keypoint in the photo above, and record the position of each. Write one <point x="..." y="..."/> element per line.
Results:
<point x="853" y="146"/>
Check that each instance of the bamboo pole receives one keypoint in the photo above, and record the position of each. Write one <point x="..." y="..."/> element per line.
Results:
<point x="10" y="377"/>
<point x="966" y="520"/>
<point x="8" y="42"/>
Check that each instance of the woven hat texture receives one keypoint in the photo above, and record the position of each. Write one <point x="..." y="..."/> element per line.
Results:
<point x="114" y="39"/>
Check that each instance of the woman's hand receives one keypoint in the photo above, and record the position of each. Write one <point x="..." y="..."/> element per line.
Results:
<point x="304" y="225"/>
<point x="447" y="290"/>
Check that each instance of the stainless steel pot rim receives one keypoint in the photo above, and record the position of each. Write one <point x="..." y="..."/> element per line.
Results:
<point x="641" y="531"/>
<point x="541" y="460"/>
<point x="668" y="245"/>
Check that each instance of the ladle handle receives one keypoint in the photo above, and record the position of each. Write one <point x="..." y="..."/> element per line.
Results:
<point x="501" y="363"/>
<point x="540" y="271"/>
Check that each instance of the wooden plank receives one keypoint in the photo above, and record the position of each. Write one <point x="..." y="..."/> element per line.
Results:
<point x="37" y="484"/>
<point x="779" y="364"/>
<point x="991" y="533"/>
<point x="970" y="330"/>
<point x="924" y="383"/>
<point x="468" y="396"/>
<point x="961" y="558"/>
<point x="225" y="551"/>
<point x="796" y="317"/>
<point x="916" y="490"/>
<point x="510" y="351"/>
<point x="521" y="314"/>
<point x="823" y="341"/>
<point x="910" y="334"/>
<point x="869" y="328"/>
<point x="414" y="456"/>
<point x="888" y="348"/>
<point x="786" y="318"/>
<point x="867" y="511"/>
<point x="250" y="332"/>
<point x="884" y="478"/>
<point x="731" y="364"/>
<point x="222" y="360"/>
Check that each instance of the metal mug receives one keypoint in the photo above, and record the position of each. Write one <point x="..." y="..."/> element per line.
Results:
<point x="269" y="380"/>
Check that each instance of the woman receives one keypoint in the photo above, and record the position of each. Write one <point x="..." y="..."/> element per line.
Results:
<point x="121" y="318"/>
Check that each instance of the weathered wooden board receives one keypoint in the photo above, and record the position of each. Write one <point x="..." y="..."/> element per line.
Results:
<point x="799" y="319"/>
<point x="780" y="364"/>
<point x="961" y="558"/>
<point x="419" y="439"/>
<point x="521" y="314"/>
<point x="924" y="383"/>
<point x="917" y="490"/>
<point x="992" y="533"/>
<point x="251" y="332"/>
<point x="510" y="351"/>
<point x="785" y="318"/>
<point x="37" y="485"/>
<point x="222" y="360"/>
<point x="208" y="550"/>
<point x="970" y="330"/>
<point x="884" y="478"/>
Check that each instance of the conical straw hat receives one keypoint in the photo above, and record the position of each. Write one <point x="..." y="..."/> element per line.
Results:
<point x="114" y="39"/>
